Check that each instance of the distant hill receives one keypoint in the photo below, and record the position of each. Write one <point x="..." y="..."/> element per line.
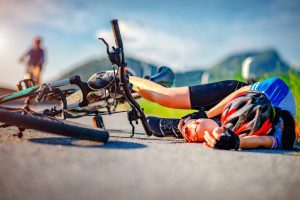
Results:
<point x="87" y="69"/>
<point x="264" y="62"/>
<point x="188" y="78"/>
<point x="139" y="67"/>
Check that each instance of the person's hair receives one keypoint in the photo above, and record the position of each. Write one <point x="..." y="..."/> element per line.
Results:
<point x="289" y="128"/>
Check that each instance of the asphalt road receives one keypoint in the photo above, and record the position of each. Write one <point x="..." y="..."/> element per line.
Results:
<point x="44" y="166"/>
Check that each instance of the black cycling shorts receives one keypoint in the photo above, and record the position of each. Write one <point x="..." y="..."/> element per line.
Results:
<point x="208" y="95"/>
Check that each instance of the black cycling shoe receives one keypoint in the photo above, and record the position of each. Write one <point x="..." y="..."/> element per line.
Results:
<point x="163" y="127"/>
<point x="165" y="76"/>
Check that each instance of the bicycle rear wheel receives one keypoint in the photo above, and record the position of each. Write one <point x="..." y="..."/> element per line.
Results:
<point x="37" y="121"/>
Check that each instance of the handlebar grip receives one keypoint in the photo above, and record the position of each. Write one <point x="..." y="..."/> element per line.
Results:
<point x="116" y="32"/>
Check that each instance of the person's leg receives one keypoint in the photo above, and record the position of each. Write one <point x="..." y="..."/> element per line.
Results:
<point x="193" y="97"/>
<point x="37" y="74"/>
<point x="177" y="97"/>
<point x="209" y="95"/>
<point x="29" y="73"/>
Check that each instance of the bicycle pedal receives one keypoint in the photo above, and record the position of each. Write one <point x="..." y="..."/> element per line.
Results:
<point x="98" y="122"/>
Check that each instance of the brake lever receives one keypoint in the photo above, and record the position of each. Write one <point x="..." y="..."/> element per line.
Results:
<point x="115" y="56"/>
<point x="106" y="44"/>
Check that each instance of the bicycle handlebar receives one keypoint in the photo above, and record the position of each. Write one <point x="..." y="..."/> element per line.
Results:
<point x="122" y="64"/>
<point x="117" y="33"/>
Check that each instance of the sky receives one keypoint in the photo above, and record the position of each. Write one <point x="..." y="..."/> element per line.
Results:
<point x="181" y="34"/>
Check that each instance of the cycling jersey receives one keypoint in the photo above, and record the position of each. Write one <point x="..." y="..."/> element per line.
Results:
<point x="280" y="96"/>
<point x="278" y="92"/>
<point x="36" y="57"/>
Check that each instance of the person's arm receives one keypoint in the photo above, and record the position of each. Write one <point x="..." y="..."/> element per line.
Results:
<point x="254" y="142"/>
<point x="24" y="56"/>
<point x="246" y="142"/>
<point x="177" y="97"/>
<point x="218" y="109"/>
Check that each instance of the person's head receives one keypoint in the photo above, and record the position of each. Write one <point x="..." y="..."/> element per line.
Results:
<point x="250" y="113"/>
<point x="37" y="41"/>
<point x="193" y="129"/>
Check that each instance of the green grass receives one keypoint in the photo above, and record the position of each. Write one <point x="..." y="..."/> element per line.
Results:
<point x="292" y="79"/>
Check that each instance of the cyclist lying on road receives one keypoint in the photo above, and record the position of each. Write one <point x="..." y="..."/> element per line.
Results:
<point x="260" y="115"/>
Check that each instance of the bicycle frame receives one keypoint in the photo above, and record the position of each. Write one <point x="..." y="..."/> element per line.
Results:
<point x="33" y="91"/>
<point x="116" y="57"/>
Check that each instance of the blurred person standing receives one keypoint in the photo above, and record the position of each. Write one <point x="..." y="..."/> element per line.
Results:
<point x="35" y="58"/>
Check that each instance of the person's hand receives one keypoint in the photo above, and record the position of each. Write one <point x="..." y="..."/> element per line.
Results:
<point x="21" y="60"/>
<point x="222" y="138"/>
<point x="211" y="138"/>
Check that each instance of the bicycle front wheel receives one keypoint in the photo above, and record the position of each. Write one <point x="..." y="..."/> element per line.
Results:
<point x="38" y="121"/>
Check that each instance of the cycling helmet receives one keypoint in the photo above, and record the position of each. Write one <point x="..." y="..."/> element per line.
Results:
<point x="250" y="113"/>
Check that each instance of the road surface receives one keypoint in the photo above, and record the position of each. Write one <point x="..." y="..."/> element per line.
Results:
<point x="44" y="166"/>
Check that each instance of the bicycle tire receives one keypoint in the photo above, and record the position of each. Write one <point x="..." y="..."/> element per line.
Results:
<point x="40" y="122"/>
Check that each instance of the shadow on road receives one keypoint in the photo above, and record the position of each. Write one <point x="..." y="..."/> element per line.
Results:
<point x="123" y="145"/>
<point x="71" y="142"/>
<point x="127" y="135"/>
<point x="295" y="151"/>
<point x="152" y="138"/>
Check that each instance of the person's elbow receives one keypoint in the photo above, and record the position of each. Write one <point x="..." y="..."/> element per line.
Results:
<point x="266" y="142"/>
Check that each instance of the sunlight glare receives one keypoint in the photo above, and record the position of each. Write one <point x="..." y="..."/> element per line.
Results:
<point x="2" y="41"/>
